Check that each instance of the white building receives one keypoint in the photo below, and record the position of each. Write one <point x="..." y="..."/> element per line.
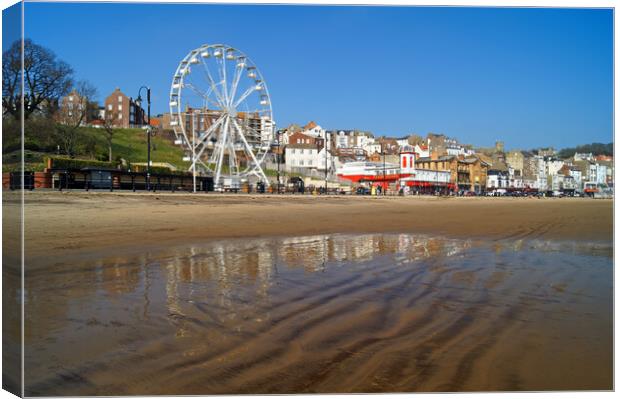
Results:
<point x="497" y="179"/>
<point x="372" y="148"/>
<point x="421" y="151"/>
<point x="583" y="156"/>
<point x="325" y="157"/>
<point x="514" y="180"/>
<point x="352" y="139"/>
<point x="553" y="166"/>
<point x="601" y="174"/>
<point x="301" y="156"/>
<point x="560" y="182"/>
<point x="403" y="142"/>
<point x="576" y="174"/>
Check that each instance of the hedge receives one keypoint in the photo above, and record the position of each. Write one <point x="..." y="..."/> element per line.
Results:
<point x="70" y="163"/>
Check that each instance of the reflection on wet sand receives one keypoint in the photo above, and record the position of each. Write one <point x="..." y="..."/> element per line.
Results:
<point x="337" y="313"/>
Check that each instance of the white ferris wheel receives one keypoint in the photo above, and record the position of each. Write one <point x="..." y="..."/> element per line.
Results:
<point x="221" y="113"/>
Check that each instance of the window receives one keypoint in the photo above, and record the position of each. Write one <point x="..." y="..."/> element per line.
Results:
<point x="301" y="162"/>
<point x="120" y="116"/>
<point x="109" y="107"/>
<point x="70" y="98"/>
<point x="120" y="99"/>
<point x="120" y="107"/>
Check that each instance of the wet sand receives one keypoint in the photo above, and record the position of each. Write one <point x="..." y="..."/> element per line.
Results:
<point x="324" y="314"/>
<point x="70" y="223"/>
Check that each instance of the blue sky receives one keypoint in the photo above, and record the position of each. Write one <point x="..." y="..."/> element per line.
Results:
<point x="530" y="77"/>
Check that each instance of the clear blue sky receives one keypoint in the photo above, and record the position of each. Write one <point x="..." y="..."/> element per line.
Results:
<point x="530" y="77"/>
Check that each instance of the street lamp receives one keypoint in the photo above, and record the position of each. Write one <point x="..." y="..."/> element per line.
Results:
<point x="383" y="186"/>
<point x="278" y="154"/>
<point x="148" y="131"/>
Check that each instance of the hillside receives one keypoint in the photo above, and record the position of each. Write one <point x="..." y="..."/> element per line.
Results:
<point x="128" y="144"/>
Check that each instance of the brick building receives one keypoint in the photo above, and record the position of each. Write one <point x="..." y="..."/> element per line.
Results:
<point x="469" y="174"/>
<point x="73" y="109"/>
<point x="122" y="111"/>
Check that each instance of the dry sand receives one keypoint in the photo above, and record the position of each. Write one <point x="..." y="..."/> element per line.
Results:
<point x="69" y="223"/>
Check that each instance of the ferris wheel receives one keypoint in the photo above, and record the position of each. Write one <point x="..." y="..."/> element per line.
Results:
<point x="221" y="114"/>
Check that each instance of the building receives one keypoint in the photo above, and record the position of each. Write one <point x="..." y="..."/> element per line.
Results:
<point x="303" y="138"/>
<point x="468" y="174"/>
<point x="583" y="156"/>
<point x="421" y="150"/>
<point x="301" y="155"/>
<point x="352" y="139"/>
<point x="546" y="152"/>
<point x="515" y="160"/>
<point x="607" y="158"/>
<point x="553" y="165"/>
<point x="74" y="109"/>
<point x="258" y="130"/>
<point x="398" y="175"/>
<point x="497" y="179"/>
<point x="122" y="111"/>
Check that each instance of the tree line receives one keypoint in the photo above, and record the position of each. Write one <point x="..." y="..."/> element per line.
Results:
<point x="594" y="148"/>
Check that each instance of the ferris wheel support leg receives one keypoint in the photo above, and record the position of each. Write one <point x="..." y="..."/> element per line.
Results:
<point x="258" y="168"/>
<point x="218" y="170"/>
<point x="261" y="175"/>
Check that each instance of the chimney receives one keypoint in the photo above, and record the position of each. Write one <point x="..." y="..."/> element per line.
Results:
<point x="434" y="155"/>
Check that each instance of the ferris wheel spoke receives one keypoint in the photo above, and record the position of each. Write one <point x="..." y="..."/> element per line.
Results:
<point x="245" y="95"/>
<point x="213" y="84"/>
<point x="222" y="73"/>
<point x="236" y="79"/>
<point x="202" y="94"/>
<point x="203" y="142"/>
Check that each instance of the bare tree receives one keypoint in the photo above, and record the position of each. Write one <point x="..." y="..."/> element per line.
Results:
<point x="73" y="113"/>
<point x="46" y="79"/>
<point x="109" y="127"/>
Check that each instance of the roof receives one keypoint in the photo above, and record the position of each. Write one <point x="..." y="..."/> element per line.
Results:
<point x="310" y="125"/>
<point x="442" y="158"/>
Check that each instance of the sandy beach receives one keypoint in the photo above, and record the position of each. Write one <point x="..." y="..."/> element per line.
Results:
<point x="208" y="294"/>
<point x="70" y="222"/>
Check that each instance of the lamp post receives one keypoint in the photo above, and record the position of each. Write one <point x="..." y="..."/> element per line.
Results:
<point x="383" y="151"/>
<point x="278" y="154"/>
<point x="148" y="131"/>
